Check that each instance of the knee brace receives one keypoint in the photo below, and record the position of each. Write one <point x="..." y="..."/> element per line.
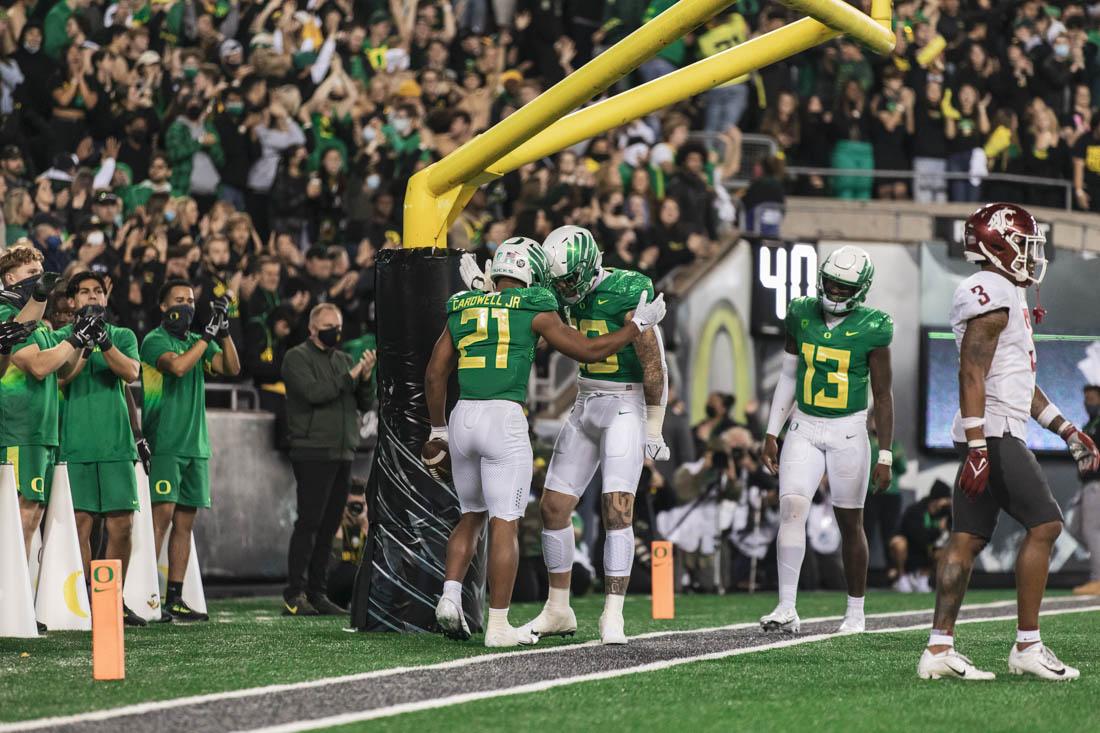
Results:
<point x="557" y="549"/>
<point x="618" y="552"/>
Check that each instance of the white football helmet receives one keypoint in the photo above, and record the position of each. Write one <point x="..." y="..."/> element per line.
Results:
<point x="850" y="268"/>
<point x="512" y="259"/>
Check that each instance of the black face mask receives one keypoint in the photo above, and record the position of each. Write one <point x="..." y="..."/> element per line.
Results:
<point x="330" y="337"/>
<point x="712" y="411"/>
<point x="601" y="157"/>
<point x="193" y="112"/>
<point x="177" y="319"/>
<point x="1093" y="411"/>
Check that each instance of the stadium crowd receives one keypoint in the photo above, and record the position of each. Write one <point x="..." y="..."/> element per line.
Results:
<point x="261" y="149"/>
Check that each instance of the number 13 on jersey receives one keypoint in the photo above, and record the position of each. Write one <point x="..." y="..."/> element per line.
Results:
<point x="835" y="364"/>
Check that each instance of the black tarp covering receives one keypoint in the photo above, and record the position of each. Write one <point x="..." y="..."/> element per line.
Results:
<point x="411" y="514"/>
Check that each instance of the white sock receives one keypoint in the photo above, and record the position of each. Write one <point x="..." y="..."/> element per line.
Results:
<point x="938" y="637"/>
<point x="558" y="598"/>
<point x="791" y="546"/>
<point x="1027" y="637"/>
<point x="613" y="603"/>
<point x="855" y="606"/>
<point x="498" y="616"/>
<point x="452" y="591"/>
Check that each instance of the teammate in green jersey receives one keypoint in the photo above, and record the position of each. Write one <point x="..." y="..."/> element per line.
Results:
<point x="491" y="338"/>
<point x="836" y="347"/>
<point x="173" y="365"/>
<point x="28" y="390"/>
<point x="615" y="425"/>
<point x="96" y="440"/>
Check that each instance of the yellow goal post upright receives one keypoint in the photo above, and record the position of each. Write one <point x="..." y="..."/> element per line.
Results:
<point x="412" y="514"/>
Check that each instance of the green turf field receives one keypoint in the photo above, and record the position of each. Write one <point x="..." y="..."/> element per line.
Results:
<point x="865" y="681"/>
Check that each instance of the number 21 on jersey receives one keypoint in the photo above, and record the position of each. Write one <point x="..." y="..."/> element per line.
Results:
<point x="838" y="376"/>
<point x="481" y="333"/>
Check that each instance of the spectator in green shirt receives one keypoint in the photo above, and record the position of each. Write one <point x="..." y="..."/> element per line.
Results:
<point x="56" y="37"/>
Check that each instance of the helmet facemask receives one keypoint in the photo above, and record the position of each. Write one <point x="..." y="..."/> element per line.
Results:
<point x="840" y="286"/>
<point x="1030" y="257"/>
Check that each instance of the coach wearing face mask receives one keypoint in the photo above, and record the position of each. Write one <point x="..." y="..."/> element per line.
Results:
<point x="325" y="389"/>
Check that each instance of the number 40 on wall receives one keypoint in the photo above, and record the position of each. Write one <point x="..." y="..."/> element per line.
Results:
<point x="783" y="271"/>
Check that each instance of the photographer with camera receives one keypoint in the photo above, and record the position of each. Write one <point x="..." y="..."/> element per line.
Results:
<point x="349" y="544"/>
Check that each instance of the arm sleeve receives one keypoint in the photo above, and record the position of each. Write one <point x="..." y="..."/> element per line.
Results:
<point x="104" y="175"/>
<point x="783" y="398"/>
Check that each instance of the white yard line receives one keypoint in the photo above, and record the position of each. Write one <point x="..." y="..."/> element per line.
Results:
<point x="412" y="707"/>
<point x="159" y="705"/>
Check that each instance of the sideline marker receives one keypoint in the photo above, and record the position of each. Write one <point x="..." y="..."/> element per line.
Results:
<point x="664" y="596"/>
<point x="108" y="651"/>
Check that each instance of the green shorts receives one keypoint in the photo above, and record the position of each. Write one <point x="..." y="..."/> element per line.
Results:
<point x="178" y="480"/>
<point x="33" y="469"/>
<point x="98" y="488"/>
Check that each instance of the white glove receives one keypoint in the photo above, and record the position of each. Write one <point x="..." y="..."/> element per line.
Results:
<point x="438" y="433"/>
<point x="647" y="315"/>
<point x="473" y="276"/>
<point x="655" y="447"/>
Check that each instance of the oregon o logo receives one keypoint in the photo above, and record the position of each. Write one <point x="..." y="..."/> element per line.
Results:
<point x="167" y="487"/>
<point x="38" y="485"/>
<point x="97" y="574"/>
<point x="660" y="552"/>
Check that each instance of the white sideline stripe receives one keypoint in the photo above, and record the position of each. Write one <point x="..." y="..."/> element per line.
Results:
<point x="158" y="705"/>
<point x="412" y="707"/>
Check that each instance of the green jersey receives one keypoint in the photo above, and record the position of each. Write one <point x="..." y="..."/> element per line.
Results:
<point x="30" y="406"/>
<point x="173" y="414"/>
<point x="96" y="428"/>
<point x="833" y="370"/>
<point x="604" y="311"/>
<point x="495" y="341"/>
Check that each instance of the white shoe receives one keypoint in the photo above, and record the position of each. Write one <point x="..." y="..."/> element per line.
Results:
<point x="451" y="622"/>
<point x="920" y="583"/>
<point x="904" y="584"/>
<point x="853" y="624"/>
<point x="612" y="628"/>
<point x="507" y="635"/>
<point x="781" y="619"/>
<point x="557" y="621"/>
<point x="949" y="664"/>
<point x="1040" y="661"/>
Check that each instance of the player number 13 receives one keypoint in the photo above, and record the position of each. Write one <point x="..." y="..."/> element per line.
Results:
<point x="837" y="377"/>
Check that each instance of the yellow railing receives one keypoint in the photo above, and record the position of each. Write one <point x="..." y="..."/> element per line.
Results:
<point x="437" y="194"/>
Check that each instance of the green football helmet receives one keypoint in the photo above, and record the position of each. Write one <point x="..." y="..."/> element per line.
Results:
<point x="574" y="260"/>
<point x="844" y="279"/>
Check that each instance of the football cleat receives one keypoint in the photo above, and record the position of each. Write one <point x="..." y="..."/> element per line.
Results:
<point x="296" y="606"/>
<point x="132" y="619"/>
<point x="451" y="621"/>
<point x="853" y="624"/>
<point x="781" y="619"/>
<point x="558" y="621"/>
<point x="904" y="584"/>
<point x="612" y="629"/>
<point x="1040" y="661"/>
<point x="505" y="635"/>
<point x="949" y="663"/>
<point x="180" y="611"/>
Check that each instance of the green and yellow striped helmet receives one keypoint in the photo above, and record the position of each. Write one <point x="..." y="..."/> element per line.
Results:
<point x="574" y="261"/>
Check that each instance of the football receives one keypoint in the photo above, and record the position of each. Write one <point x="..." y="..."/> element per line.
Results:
<point x="436" y="459"/>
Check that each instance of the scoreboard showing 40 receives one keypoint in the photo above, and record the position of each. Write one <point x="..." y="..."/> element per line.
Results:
<point x="782" y="271"/>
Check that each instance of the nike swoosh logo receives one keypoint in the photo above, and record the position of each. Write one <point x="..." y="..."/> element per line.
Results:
<point x="1058" y="672"/>
<point x="624" y="412"/>
<point x="600" y="302"/>
<point x="959" y="672"/>
<point x="98" y="590"/>
<point x="851" y="333"/>
<point x="292" y="609"/>
<point x="849" y="437"/>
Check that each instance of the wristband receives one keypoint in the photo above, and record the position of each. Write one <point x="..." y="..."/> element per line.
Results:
<point x="1066" y="429"/>
<point x="654" y="420"/>
<point x="885" y="457"/>
<point x="973" y="422"/>
<point x="977" y="443"/>
<point x="438" y="433"/>
<point x="1048" y="415"/>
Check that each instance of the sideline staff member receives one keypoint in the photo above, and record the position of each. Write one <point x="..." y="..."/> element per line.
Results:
<point x="325" y="389"/>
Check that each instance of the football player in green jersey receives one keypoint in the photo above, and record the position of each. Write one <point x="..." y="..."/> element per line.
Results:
<point x="836" y="347"/>
<point x="490" y="337"/>
<point x="174" y="360"/>
<point x="28" y="390"/>
<point x="96" y="440"/>
<point x="615" y="425"/>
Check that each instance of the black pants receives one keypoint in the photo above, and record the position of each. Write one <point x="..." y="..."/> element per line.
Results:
<point x="322" y="493"/>
<point x="881" y="513"/>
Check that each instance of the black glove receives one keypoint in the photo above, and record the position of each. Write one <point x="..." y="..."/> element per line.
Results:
<point x="145" y="454"/>
<point x="12" y="333"/>
<point x="223" y="329"/>
<point x="101" y="338"/>
<point x="83" y="335"/>
<point x="45" y="286"/>
<point x="210" y="333"/>
<point x="220" y="305"/>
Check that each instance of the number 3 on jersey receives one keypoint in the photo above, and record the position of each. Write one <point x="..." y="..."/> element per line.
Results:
<point x="482" y="315"/>
<point x="837" y="376"/>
